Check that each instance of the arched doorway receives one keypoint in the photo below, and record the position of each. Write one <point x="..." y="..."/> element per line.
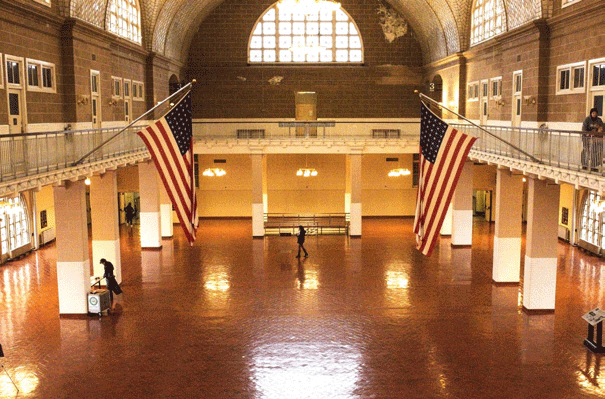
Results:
<point x="173" y="84"/>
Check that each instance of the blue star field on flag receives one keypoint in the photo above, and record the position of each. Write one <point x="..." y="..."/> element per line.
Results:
<point x="432" y="131"/>
<point x="179" y="120"/>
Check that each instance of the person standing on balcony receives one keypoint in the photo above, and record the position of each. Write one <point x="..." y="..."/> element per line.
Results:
<point x="301" y="240"/>
<point x="592" y="141"/>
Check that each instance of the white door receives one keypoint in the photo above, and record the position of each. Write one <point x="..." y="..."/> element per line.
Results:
<point x="127" y="101"/>
<point x="484" y="101"/>
<point x="517" y="97"/>
<point x="15" y="111"/>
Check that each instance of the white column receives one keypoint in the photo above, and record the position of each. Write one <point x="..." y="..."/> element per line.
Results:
<point x="446" y="227"/>
<point x="462" y="208"/>
<point x="166" y="227"/>
<point x="258" y="219"/>
<point x="355" y="178"/>
<point x="73" y="263"/>
<point x="105" y="223"/>
<point x="540" y="272"/>
<point x="507" y="236"/>
<point x="149" y="191"/>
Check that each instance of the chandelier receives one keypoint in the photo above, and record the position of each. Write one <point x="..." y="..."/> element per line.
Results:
<point x="399" y="172"/>
<point x="211" y="172"/>
<point x="306" y="172"/>
<point x="307" y="7"/>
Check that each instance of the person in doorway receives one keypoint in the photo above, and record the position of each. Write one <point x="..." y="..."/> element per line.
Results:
<point x="301" y="240"/>
<point x="129" y="212"/>
<point x="592" y="141"/>
<point x="109" y="277"/>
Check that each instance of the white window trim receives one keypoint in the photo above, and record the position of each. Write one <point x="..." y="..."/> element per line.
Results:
<point x="140" y="88"/>
<point x="571" y="68"/>
<point x="515" y="74"/>
<point x="41" y="64"/>
<point x="98" y="75"/>
<point x="491" y="88"/>
<point x="115" y="79"/>
<point x="475" y="83"/>
<point x="484" y="82"/>
<point x="44" y="2"/>
<point x="2" y="71"/>
<point x="589" y="73"/>
<point x="124" y="83"/>
<point x="568" y="3"/>
<point x="22" y="71"/>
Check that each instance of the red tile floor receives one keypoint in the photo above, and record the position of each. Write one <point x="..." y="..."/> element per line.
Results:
<point x="236" y="317"/>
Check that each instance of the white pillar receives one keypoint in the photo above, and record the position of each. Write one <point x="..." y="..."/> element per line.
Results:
<point x="462" y="208"/>
<point x="540" y="272"/>
<point x="105" y="223"/>
<point x="166" y="227"/>
<point x="446" y="227"/>
<point x="258" y="217"/>
<point x="355" y="179"/>
<point x="73" y="263"/>
<point x="507" y="236"/>
<point x="149" y="191"/>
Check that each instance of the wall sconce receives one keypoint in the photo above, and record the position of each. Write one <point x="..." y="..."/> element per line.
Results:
<point x="82" y="100"/>
<point x="499" y="102"/>
<point x="529" y="100"/>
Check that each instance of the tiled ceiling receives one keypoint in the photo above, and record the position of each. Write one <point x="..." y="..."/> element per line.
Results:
<point x="442" y="26"/>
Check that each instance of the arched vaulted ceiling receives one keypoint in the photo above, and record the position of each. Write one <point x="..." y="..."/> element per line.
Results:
<point x="442" y="26"/>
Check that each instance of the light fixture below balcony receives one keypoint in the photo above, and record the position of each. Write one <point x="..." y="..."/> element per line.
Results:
<point x="399" y="172"/>
<point x="306" y="172"/>
<point x="211" y="172"/>
<point x="307" y="7"/>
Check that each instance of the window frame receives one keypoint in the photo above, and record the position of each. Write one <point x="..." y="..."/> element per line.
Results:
<point x="22" y="74"/>
<point x="44" y="2"/>
<point x="124" y="30"/>
<point x="589" y="76"/>
<point x="116" y="82"/>
<point x="498" y="80"/>
<point x="127" y="86"/>
<point x="567" y="3"/>
<point x="42" y="65"/>
<point x="480" y="23"/>
<point x="571" y="68"/>
<point x="276" y="36"/>
<point x="139" y="89"/>
<point x="473" y="94"/>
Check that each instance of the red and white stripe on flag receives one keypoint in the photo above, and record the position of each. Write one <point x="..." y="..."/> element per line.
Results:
<point x="437" y="183"/>
<point x="176" y="171"/>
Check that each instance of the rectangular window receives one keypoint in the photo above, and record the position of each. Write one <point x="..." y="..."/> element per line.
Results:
<point x="137" y="91"/>
<point x="484" y="92"/>
<point x="473" y="91"/>
<point x="40" y="76"/>
<point x="13" y="76"/>
<point x="518" y="83"/>
<point x="94" y="82"/>
<point x="117" y="87"/>
<point x="570" y="78"/>
<point x="126" y="88"/>
<point x="43" y="220"/>
<point x="496" y="87"/>
<point x="598" y="74"/>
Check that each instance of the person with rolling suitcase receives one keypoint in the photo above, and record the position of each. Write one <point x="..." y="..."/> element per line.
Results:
<point x="112" y="283"/>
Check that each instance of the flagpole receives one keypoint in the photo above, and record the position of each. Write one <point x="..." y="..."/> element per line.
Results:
<point x="424" y="96"/>
<point x="188" y="85"/>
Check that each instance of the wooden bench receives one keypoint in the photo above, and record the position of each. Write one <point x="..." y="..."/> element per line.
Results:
<point x="386" y="133"/>
<point x="315" y="224"/>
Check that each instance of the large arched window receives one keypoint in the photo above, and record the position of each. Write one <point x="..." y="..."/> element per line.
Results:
<point x="488" y="20"/>
<point x="314" y="36"/>
<point x="124" y="19"/>
<point x="592" y="228"/>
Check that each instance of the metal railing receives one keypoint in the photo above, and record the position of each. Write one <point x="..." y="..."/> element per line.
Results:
<point x="560" y="148"/>
<point x="203" y="130"/>
<point x="314" y="223"/>
<point x="30" y="154"/>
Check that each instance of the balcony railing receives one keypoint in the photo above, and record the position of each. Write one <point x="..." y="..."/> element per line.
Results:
<point x="559" y="148"/>
<point x="31" y="154"/>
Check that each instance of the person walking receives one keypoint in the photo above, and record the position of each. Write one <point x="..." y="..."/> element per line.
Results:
<point x="301" y="240"/>
<point x="129" y="213"/>
<point x="592" y="141"/>
<point x="110" y="279"/>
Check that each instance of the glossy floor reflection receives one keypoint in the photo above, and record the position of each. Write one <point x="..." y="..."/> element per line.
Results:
<point x="234" y="317"/>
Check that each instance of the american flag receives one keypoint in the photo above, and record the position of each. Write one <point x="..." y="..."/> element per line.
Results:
<point x="443" y="151"/>
<point x="170" y="142"/>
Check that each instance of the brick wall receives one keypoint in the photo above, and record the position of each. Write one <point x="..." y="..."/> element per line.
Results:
<point x="229" y="88"/>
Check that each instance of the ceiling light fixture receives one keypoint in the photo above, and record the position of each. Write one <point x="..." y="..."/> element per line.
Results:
<point x="211" y="172"/>
<point x="306" y="172"/>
